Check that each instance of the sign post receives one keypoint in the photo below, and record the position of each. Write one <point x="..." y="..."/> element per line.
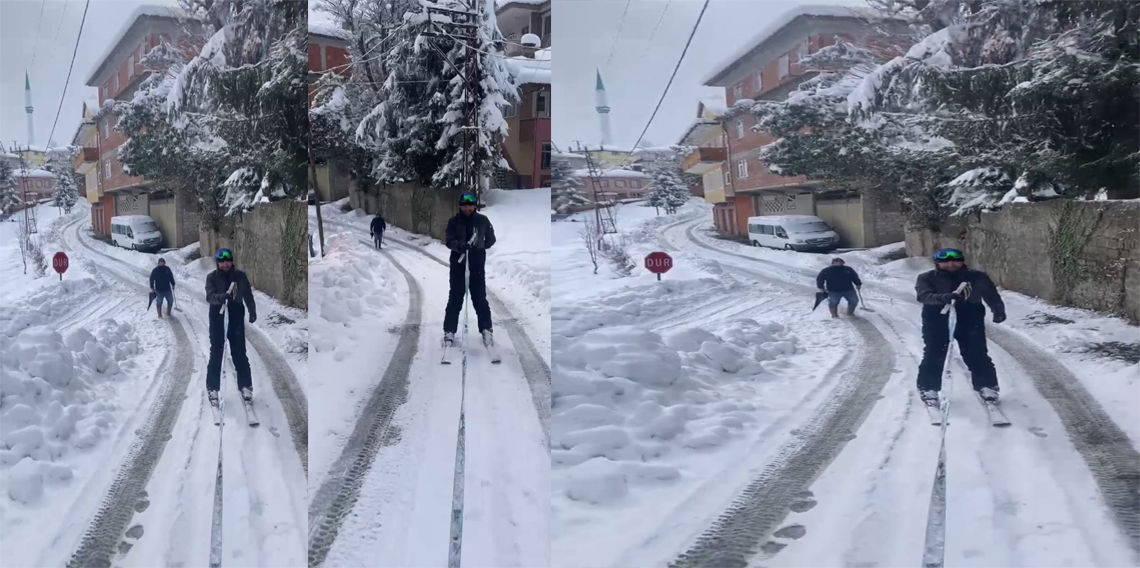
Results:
<point x="59" y="262"/>
<point x="658" y="263"/>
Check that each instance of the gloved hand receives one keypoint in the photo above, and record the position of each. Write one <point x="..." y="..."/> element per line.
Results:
<point x="951" y="297"/>
<point x="998" y="318"/>
<point x="252" y="316"/>
<point x="463" y="247"/>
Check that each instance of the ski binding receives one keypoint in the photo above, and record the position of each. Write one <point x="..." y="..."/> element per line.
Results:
<point x="446" y="359"/>
<point x="994" y="412"/>
<point x="250" y="415"/>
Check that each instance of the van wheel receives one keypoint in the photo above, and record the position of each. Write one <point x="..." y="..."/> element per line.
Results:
<point x="755" y="244"/>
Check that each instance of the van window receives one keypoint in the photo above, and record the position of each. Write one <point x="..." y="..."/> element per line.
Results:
<point x="809" y="227"/>
<point x="146" y="227"/>
<point x="130" y="233"/>
<point x="766" y="230"/>
<point x="781" y="233"/>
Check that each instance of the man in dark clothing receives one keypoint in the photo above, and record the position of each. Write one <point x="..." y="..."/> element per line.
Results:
<point x="840" y="281"/>
<point x="461" y="228"/>
<point x="162" y="284"/>
<point x="377" y="229"/>
<point x="228" y="286"/>
<point x="937" y="288"/>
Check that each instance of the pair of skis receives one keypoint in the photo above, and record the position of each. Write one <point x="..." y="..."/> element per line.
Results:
<point x="939" y="411"/>
<point x="247" y="405"/>
<point x="492" y="351"/>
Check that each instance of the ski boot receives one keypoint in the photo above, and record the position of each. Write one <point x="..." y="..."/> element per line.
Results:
<point x="988" y="394"/>
<point x="449" y="339"/>
<point x="247" y="394"/>
<point x="488" y="338"/>
<point x="929" y="397"/>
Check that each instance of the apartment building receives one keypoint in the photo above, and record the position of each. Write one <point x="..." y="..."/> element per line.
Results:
<point x="117" y="75"/>
<point x="766" y="68"/>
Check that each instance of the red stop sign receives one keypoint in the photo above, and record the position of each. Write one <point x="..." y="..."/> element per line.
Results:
<point x="59" y="262"/>
<point x="658" y="262"/>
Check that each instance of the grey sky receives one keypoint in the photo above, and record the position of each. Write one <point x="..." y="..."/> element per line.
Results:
<point x="584" y="31"/>
<point x="19" y="22"/>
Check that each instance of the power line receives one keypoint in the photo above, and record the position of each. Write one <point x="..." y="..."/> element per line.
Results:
<point x="68" y="80"/>
<point x="621" y="24"/>
<point x="60" y="26"/>
<point x="36" y="45"/>
<point x="670" y="83"/>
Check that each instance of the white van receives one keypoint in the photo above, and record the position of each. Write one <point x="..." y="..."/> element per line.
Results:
<point x="136" y="232"/>
<point x="792" y="232"/>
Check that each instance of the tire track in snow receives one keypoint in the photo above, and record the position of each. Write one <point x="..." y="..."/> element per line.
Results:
<point x="338" y="493"/>
<point x="735" y="537"/>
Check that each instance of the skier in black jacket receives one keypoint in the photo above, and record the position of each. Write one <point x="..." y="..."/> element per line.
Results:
<point x="937" y="288"/>
<point x="376" y="229"/>
<point x="162" y="284"/>
<point x="228" y="286"/>
<point x="841" y="281"/>
<point x="460" y="229"/>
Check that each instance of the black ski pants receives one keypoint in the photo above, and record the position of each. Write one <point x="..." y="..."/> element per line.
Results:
<point x="478" y="287"/>
<point x="237" y="349"/>
<point x="970" y="333"/>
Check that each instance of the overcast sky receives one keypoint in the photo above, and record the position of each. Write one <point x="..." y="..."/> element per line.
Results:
<point x="44" y="46"/>
<point x="643" y="59"/>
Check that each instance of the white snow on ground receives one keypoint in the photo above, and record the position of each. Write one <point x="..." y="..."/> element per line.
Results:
<point x="357" y="301"/>
<point x="18" y="283"/>
<point x="648" y="368"/>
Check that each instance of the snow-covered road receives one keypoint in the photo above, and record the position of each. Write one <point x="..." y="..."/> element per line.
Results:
<point x="387" y="498"/>
<point x="154" y="506"/>
<point x="846" y="454"/>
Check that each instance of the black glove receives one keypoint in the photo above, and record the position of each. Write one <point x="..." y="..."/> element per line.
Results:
<point x="252" y="316"/>
<point x="462" y="247"/>
<point x="951" y="297"/>
<point x="998" y="318"/>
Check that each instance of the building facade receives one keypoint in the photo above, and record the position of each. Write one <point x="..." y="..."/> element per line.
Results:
<point x="328" y="54"/>
<point x="614" y="185"/>
<point x="117" y="76"/>
<point x="516" y="19"/>
<point x="527" y="147"/>
<point x="768" y="69"/>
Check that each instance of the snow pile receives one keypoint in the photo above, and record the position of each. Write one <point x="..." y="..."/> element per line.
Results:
<point x="49" y="404"/>
<point x="48" y="304"/>
<point x="624" y="398"/>
<point x="522" y="250"/>
<point x="348" y="284"/>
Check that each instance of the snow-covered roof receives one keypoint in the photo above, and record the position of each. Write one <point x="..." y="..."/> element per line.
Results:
<point x="779" y="23"/>
<point x="614" y="173"/>
<point x="699" y="127"/>
<point x="328" y="29"/>
<point x="139" y="12"/>
<point x="568" y="155"/>
<point x="530" y="70"/>
<point x="499" y="4"/>
<point x="714" y="103"/>
<point x="38" y="173"/>
<point x="9" y="156"/>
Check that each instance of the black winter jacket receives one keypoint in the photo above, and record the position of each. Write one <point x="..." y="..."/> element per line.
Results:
<point x="460" y="229"/>
<point x="218" y="282"/>
<point x="934" y="288"/>
<point x="378" y="226"/>
<point x="161" y="279"/>
<point x="838" y="279"/>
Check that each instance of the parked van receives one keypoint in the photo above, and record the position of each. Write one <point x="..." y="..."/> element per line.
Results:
<point x="792" y="232"/>
<point x="135" y="232"/>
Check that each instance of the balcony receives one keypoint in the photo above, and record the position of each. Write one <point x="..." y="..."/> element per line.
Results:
<point x="704" y="160"/>
<point x="86" y="156"/>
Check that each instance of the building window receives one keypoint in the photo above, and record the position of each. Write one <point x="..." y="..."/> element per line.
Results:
<point x="759" y="81"/>
<point x="742" y="169"/>
<point x="546" y="155"/>
<point x="635" y="184"/>
<point x="525" y="30"/>
<point x="727" y="177"/>
<point x="131" y="66"/>
<point x="619" y="183"/>
<point x="115" y="87"/>
<point x="783" y="64"/>
<point x="104" y="128"/>
<point x="510" y="111"/>
<point x="803" y="50"/>
<point x="541" y="104"/>
<point x="107" y="169"/>
<point x="738" y="92"/>
<point x="546" y="25"/>
<point x="106" y="92"/>
<point x="605" y="184"/>
<point x="740" y="128"/>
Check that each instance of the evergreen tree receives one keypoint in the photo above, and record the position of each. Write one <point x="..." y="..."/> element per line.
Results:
<point x="9" y="192"/>
<point x="566" y="190"/>
<point x="668" y="189"/>
<point x="60" y="162"/>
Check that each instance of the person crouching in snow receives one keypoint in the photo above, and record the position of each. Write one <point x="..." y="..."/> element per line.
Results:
<point x="937" y="288"/>
<point x="473" y="253"/>
<point x="841" y="282"/>
<point x="162" y="284"/>
<point x="228" y="286"/>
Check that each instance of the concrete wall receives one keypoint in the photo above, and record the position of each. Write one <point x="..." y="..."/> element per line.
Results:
<point x="883" y="220"/>
<point x="179" y="224"/>
<point x="409" y="206"/>
<point x="846" y="217"/>
<point x="1071" y="253"/>
<point x="270" y="245"/>
<point x="332" y="182"/>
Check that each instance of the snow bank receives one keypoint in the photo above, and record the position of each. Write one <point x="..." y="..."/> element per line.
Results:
<point x="522" y="251"/>
<point x="49" y="404"/>
<point x="624" y="398"/>
<point x="46" y="305"/>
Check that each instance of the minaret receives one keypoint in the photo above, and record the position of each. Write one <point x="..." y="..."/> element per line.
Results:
<point x="603" y="111"/>
<point x="28" y="108"/>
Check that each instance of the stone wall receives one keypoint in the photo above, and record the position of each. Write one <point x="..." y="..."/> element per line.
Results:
<point x="269" y="244"/>
<point x="409" y="206"/>
<point x="1072" y="253"/>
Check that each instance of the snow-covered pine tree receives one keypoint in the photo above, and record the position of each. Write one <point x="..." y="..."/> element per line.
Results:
<point x="249" y="82"/>
<point x="60" y="162"/>
<point x="9" y="192"/>
<point x="566" y="189"/>
<point x="667" y="188"/>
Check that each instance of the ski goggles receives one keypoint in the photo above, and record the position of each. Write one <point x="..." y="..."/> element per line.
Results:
<point x="949" y="254"/>
<point x="224" y="254"/>
<point x="467" y="199"/>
